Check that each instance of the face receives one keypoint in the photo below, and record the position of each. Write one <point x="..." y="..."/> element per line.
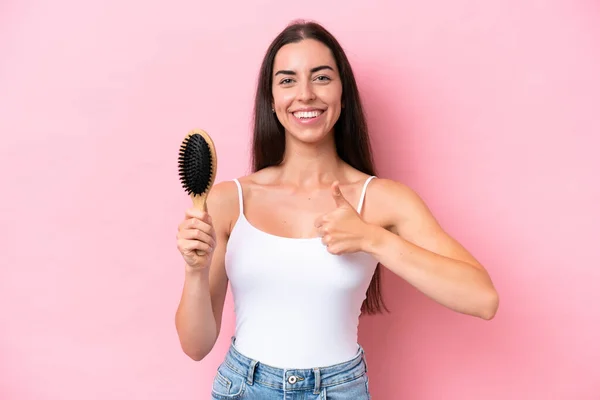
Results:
<point x="307" y="90"/>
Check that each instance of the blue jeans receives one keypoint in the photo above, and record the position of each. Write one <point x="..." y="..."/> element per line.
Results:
<point x="240" y="377"/>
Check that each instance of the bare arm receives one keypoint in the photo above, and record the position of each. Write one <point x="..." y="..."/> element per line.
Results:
<point x="417" y="249"/>
<point x="199" y="314"/>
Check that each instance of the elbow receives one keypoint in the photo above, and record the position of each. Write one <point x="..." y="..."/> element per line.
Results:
<point x="195" y="348"/>
<point x="489" y="305"/>
<point x="194" y="354"/>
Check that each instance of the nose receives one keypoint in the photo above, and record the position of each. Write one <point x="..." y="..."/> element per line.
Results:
<point x="306" y="92"/>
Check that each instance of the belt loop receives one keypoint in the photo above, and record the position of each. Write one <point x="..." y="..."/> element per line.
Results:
<point x="364" y="357"/>
<point x="317" y="372"/>
<point x="251" y="369"/>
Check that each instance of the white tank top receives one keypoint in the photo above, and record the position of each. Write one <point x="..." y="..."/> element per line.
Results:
<point x="296" y="305"/>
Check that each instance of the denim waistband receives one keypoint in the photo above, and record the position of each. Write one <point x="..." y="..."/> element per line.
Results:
<point x="294" y="379"/>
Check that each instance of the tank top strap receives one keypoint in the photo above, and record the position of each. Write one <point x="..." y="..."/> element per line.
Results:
<point x="240" y="196"/>
<point x="362" y="195"/>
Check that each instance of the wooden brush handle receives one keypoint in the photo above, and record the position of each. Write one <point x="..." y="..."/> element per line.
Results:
<point x="199" y="204"/>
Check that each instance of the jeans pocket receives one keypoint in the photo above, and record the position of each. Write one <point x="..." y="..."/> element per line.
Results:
<point x="355" y="389"/>
<point x="227" y="384"/>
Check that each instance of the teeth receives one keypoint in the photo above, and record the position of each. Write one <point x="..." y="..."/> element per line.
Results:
<point x="307" y="114"/>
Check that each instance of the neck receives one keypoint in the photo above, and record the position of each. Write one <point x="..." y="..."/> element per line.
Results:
<point x="311" y="164"/>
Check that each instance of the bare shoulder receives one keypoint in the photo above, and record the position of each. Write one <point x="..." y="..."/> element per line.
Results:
<point x="222" y="205"/>
<point x="395" y="205"/>
<point x="401" y="210"/>
<point x="258" y="182"/>
<point x="263" y="177"/>
<point x="390" y="190"/>
<point x="223" y="199"/>
<point x="222" y="195"/>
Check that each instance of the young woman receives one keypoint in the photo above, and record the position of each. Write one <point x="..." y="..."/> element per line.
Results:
<point x="303" y="238"/>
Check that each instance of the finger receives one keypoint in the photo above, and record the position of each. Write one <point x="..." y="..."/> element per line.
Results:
<point x="319" y="221"/>
<point x="191" y="213"/>
<point x="195" y="245"/>
<point x="339" y="199"/>
<point x="196" y="234"/>
<point x="333" y="246"/>
<point x="320" y="232"/>
<point x="195" y="223"/>
<point x="324" y="230"/>
<point x="334" y="249"/>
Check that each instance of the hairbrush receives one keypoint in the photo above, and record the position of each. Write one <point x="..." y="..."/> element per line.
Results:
<point x="197" y="166"/>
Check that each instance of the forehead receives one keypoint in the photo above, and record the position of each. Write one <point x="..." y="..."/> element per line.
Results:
<point x="303" y="56"/>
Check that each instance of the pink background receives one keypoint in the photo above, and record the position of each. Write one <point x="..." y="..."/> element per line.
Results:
<point x="490" y="110"/>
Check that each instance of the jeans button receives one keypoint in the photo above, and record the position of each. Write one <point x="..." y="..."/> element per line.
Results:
<point x="292" y="379"/>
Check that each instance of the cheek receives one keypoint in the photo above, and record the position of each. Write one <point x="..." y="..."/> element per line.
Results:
<point x="333" y="98"/>
<point x="283" y="98"/>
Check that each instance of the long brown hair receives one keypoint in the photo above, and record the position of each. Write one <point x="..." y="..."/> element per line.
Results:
<point x="350" y="131"/>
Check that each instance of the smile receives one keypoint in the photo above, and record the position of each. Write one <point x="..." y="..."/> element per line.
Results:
<point x="308" y="117"/>
<point x="307" y="114"/>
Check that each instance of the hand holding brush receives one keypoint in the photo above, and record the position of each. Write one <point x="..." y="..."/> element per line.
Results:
<point x="196" y="237"/>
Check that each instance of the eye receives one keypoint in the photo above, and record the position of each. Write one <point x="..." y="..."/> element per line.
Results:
<point x="285" y="81"/>
<point x="323" y="78"/>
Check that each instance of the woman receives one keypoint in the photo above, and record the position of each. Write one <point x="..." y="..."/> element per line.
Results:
<point x="302" y="239"/>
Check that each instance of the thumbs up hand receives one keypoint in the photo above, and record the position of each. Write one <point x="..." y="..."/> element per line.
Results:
<point x="342" y="230"/>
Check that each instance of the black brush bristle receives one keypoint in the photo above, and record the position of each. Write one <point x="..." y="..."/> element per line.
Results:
<point x="195" y="164"/>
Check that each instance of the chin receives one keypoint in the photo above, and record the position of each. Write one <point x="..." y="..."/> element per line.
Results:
<point x="309" y="135"/>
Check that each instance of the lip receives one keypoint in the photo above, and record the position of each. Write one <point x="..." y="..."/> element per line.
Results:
<point x="308" y="121"/>
<point x="307" y="109"/>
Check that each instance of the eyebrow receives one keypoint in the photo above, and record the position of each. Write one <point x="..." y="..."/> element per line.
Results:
<point x="312" y="71"/>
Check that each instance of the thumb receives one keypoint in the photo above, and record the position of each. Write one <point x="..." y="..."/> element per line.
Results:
<point x="340" y="200"/>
